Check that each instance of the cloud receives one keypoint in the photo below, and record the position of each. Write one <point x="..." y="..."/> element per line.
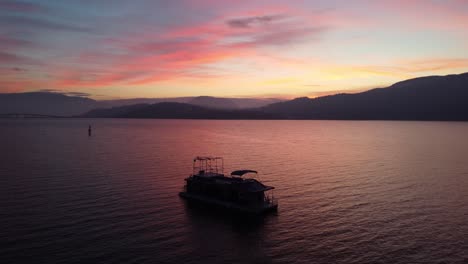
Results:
<point x="17" y="60"/>
<point x="31" y="23"/>
<point x="12" y="58"/>
<point x="8" y="57"/>
<point x="47" y="91"/>
<point x="142" y="56"/>
<point x="448" y="14"/>
<point x="246" y="41"/>
<point x="13" y="43"/>
<point x="287" y="35"/>
<point x="418" y="65"/>
<point x="178" y="53"/>
<point x="247" y="22"/>
<point x="402" y="69"/>
<point x="433" y="64"/>
<point x="170" y="46"/>
<point x="20" y="6"/>
<point x="78" y="94"/>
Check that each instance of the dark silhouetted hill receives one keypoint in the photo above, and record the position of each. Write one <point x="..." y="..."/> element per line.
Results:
<point x="213" y="102"/>
<point x="114" y="111"/>
<point x="45" y="103"/>
<point x="247" y="103"/>
<point x="59" y="104"/>
<point x="425" y="98"/>
<point x="176" y="111"/>
<point x="135" y="101"/>
<point x="205" y="101"/>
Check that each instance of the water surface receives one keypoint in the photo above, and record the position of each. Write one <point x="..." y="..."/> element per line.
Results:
<point x="349" y="191"/>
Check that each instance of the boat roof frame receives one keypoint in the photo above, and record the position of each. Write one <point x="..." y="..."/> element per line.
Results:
<point x="241" y="173"/>
<point x="207" y="158"/>
<point x="208" y="165"/>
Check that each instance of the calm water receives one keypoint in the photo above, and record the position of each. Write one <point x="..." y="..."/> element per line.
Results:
<point x="349" y="192"/>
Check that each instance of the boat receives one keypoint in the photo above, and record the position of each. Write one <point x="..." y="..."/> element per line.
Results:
<point x="235" y="192"/>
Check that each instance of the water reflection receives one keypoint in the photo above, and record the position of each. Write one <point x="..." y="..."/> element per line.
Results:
<point x="349" y="192"/>
<point x="246" y="234"/>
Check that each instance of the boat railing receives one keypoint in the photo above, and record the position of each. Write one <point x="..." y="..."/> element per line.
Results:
<point x="270" y="199"/>
<point x="208" y="165"/>
<point x="274" y="201"/>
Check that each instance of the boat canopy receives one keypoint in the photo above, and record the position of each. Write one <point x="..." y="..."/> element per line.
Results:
<point x="242" y="172"/>
<point x="254" y="186"/>
<point x="206" y="158"/>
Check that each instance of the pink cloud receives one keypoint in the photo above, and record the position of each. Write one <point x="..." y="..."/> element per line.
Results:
<point x="20" y="6"/>
<point x="11" y="58"/>
<point x="176" y="53"/>
<point x="13" y="43"/>
<point x="232" y="30"/>
<point x="450" y="14"/>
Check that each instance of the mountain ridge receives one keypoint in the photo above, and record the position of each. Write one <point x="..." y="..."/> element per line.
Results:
<point x="423" y="98"/>
<point x="175" y="110"/>
<point x="58" y="104"/>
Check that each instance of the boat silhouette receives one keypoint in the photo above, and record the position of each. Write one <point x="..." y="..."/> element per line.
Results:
<point x="208" y="185"/>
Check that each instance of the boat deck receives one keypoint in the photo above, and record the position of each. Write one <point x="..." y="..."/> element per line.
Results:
<point x="263" y="208"/>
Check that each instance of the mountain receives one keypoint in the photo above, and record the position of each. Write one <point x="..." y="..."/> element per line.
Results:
<point x="231" y="103"/>
<point x="425" y="98"/>
<point x="117" y="111"/>
<point x="247" y="103"/>
<point x="134" y="101"/>
<point x="205" y="101"/>
<point x="213" y="102"/>
<point x="57" y="104"/>
<point x="45" y="103"/>
<point x="176" y="111"/>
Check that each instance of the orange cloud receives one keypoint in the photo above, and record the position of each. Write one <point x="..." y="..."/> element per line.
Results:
<point x="253" y="43"/>
<point x="178" y="52"/>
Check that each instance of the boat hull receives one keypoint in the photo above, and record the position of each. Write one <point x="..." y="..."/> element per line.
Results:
<point x="228" y="205"/>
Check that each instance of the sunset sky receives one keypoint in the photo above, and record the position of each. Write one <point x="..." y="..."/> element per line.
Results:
<point x="124" y="49"/>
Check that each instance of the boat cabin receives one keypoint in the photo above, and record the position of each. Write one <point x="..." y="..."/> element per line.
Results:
<point x="209" y="182"/>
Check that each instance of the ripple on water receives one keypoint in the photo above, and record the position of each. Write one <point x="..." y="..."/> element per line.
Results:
<point x="350" y="192"/>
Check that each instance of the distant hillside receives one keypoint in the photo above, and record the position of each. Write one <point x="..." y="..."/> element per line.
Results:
<point x="425" y="98"/>
<point x="45" y="103"/>
<point x="117" y="111"/>
<point x="134" y="101"/>
<point x="205" y="101"/>
<point x="247" y="103"/>
<point x="57" y="104"/>
<point x="231" y="103"/>
<point x="213" y="102"/>
<point x="175" y="111"/>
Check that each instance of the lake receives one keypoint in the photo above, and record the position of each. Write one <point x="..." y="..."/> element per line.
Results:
<point x="348" y="191"/>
